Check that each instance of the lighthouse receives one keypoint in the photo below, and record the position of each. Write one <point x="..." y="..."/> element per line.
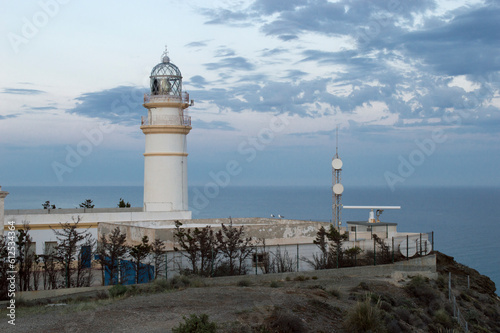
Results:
<point x="166" y="126"/>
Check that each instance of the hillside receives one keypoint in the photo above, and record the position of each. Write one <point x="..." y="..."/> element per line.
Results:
<point x="305" y="302"/>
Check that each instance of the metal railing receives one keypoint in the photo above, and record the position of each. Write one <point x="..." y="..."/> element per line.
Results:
<point x="184" y="98"/>
<point x="456" y="310"/>
<point x="166" y="120"/>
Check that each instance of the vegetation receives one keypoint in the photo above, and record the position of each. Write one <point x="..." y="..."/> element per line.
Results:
<point x="139" y="253"/>
<point x="111" y="250"/>
<point x="75" y="246"/>
<point x="122" y="204"/>
<point x="365" y="317"/>
<point x="87" y="204"/>
<point x="47" y="205"/>
<point x="196" y="324"/>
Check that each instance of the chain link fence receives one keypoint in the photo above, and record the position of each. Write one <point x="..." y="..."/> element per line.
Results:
<point x="264" y="259"/>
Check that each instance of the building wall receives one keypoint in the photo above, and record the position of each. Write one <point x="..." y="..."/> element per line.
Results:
<point x="41" y="222"/>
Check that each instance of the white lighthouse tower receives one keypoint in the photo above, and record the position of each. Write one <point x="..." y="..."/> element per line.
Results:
<point x="166" y="128"/>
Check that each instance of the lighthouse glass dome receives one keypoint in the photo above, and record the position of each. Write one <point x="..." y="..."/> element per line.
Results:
<point x="166" y="79"/>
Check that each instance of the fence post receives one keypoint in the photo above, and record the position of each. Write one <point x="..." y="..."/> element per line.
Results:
<point x="420" y="245"/>
<point x="407" y="246"/>
<point x="449" y="286"/>
<point x="393" y="250"/>
<point x="374" y="253"/>
<point x="297" y="257"/>
<point x="166" y="265"/>
<point x="256" y="260"/>
<point x="432" y="241"/>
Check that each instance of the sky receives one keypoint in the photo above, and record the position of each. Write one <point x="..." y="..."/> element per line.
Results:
<point x="412" y="86"/>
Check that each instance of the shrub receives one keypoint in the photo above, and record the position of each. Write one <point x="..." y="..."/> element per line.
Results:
<point x="300" y="278"/>
<point x="274" y="284"/>
<point x="364" y="317"/>
<point x="443" y="318"/>
<point x="196" y="324"/>
<point x="117" y="290"/>
<point x="334" y="292"/>
<point x="420" y="288"/>
<point x="284" y="322"/>
<point x="244" y="283"/>
<point x="180" y="281"/>
<point x="102" y="294"/>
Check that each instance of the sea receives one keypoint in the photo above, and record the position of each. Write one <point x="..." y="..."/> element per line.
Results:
<point x="465" y="220"/>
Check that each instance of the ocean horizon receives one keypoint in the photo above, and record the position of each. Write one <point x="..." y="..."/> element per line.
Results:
<point x="465" y="220"/>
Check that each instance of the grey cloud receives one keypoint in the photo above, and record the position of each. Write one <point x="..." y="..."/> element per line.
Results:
<point x="224" y="52"/>
<point x="238" y="63"/>
<point x="218" y="125"/>
<point x="9" y="116"/>
<point x="122" y="104"/>
<point x="197" y="44"/>
<point x="272" y="52"/>
<point x="469" y="44"/>
<point x="18" y="91"/>
<point x="197" y="81"/>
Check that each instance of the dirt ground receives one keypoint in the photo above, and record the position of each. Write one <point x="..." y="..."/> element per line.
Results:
<point x="232" y="307"/>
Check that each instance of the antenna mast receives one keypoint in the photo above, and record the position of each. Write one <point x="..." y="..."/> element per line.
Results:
<point x="337" y="187"/>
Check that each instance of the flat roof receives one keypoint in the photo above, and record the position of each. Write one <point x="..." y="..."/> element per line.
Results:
<point x="368" y="224"/>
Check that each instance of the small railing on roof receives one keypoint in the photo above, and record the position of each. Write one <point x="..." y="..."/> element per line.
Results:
<point x="184" y="98"/>
<point x="166" y="120"/>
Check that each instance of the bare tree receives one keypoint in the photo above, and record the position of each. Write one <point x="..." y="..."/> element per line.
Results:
<point x="158" y="251"/>
<point x="282" y="262"/>
<point x="235" y="247"/>
<point x="24" y="256"/>
<point x="49" y="267"/>
<point x="111" y="250"/>
<point x="198" y="245"/>
<point x="4" y="267"/>
<point x="69" y="241"/>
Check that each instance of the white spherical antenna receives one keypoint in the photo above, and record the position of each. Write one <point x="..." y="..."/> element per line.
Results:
<point x="337" y="163"/>
<point x="338" y="189"/>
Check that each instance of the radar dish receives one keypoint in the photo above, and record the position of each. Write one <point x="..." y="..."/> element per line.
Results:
<point x="415" y="246"/>
<point x="408" y="249"/>
<point x="337" y="164"/>
<point x="338" y="189"/>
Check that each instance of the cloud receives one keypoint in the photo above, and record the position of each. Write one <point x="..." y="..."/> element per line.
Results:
<point x="202" y="43"/>
<point x="215" y="125"/>
<point x="237" y="63"/>
<point x="122" y="104"/>
<point x="468" y="44"/>
<point x="227" y="17"/>
<point x="197" y="81"/>
<point x="273" y="52"/>
<point x="18" y="91"/>
<point x="224" y="52"/>
<point x="9" y="116"/>
<point x="43" y="108"/>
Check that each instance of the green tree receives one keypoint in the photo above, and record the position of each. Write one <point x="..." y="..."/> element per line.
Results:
<point x="69" y="243"/>
<point x="87" y="204"/>
<point x="122" y="204"/>
<point x="139" y="253"/>
<point x="111" y="250"/>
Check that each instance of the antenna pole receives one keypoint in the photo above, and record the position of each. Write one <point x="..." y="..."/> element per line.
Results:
<point x="337" y="142"/>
